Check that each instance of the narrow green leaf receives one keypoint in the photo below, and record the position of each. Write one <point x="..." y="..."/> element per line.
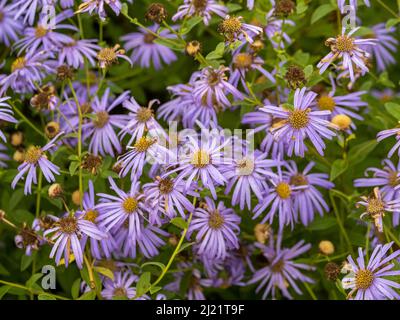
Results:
<point x="143" y="285"/>
<point x="179" y="222"/>
<point x="158" y="264"/>
<point x="4" y="290"/>
<point x="105" y="272"/>
<point x="393" y="109"/>
<point x="321" y="12"/>
<point x="338" y="167"/>
<point x="44" y="296"/>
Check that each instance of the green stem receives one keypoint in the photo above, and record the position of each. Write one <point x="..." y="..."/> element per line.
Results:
<point x="28" y="122"/>
<point x="79" y="141"/>
<point x="310" y="291"/>
<point x="39" y="194"/>
<point x="32" y="291"/>
<point x="390" y="10"/>
<point x="367" y="241"/>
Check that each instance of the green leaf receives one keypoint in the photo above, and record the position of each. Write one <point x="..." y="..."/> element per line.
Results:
<point x="44" y="296"/>
<point x="321" y="12"/>
<point x="26" y="262"/>
<point x="173" y="44"/>
<point x="33" y="279"/>
<point x="4" y="290"/>
<point x="322" y="223"/>
<point x="301" y="7"/>
<point x="90" y="295"/>
<point x="232" y="7"/>
<point x="392" y="22"/>
<point x="359" y="152"/>
<point x="158" y="264"/>
<point x="338" y="167"/>
<point x="186" y="245"/>
<point x="384" y="80"/>
<point x="73" y="166"/>
<point x="393" y="109"/>
<point x="76" y="288"/>
<point x="217" y="53"/>
<point x="179" y="222"/>
<point x="153" y="290"/>
<point x="143" y="285"/>
<point x="105" y="272"/>
<point x="308" y="71"/>
<point x="190" y="24"/>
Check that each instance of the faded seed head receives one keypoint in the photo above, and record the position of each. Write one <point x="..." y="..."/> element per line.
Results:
<point x="101" y="120"/>
<point x="215" y="220"/>
<point x="243" y="60"/>
<point x="165" y="186"/>
<point x="33" y="154"/>
<point x="68" y="225"/>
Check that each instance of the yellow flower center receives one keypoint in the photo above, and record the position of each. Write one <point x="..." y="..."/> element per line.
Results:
<point x="101" y="120"/>
<point x="216" y="220"/>
<point x="33" y="154"/>
<point x="283" y="190"/>
<point x="130" y="205"/>
<point x="344" y="43"/>
<point x="143" y="144"/>
<point x="91" y="215"/>
<point x="231" y="25"/>
<point x="298" y="118"/>
<point x="68" y="224"/>
<point x="243" y="60"/>
<point x="200" y="159"/>
<point x="342" y="121"/>
<point x="393" y="179"/>
<point x="166" y="186"/>
<point x="40" y="32"/>
<point x="120" y="292"/>
<point x="144" y="114"/>
<point x="364" y="279"/>
<point x="245" y="166"/>
<point x="326" y="103"/>
<point x="298" y="180"/>
<point x="18" y="63"/>
<point x="375" y="206"/>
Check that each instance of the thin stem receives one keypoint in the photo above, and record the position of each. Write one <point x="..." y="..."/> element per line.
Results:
<point x="390" y="10"/>
<point x="367" y="241"/>
<point x="32" y="291"/>
<point x="27" y="120"/>
<point x="340" y="223"/>
<point x="39" y="193"/>
<point x="79" y="141"/>
<point x="310" y="291"/>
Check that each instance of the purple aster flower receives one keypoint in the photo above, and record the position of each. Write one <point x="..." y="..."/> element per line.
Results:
<point x="100" y="248"/>
<point x="44" y="36"/>
<point x="279" y="199"/>
<point x="109" y="55"/>
<point x="202" y="161"/>
<point x="369" y="281"/>
<point x="352" y="3"/>
<point x="301" y="122"/>
<point x="348" y="105"/>
<point x="3" y="156"/>
<point x="146" y="51"/>
<point x="201" y="8"/>
<point x="98" y="7"/>
<point x="122" y="287"/>
<point x="167" y="197"/>
<point x="141" y="121"/>
<point x="75" y="52"/>
<point x="26" y="71"/>
<point x="9" y="27"/>
<point x="387" y="179"/>
<point x="35" y="157"/>
<point x="376" y="206"/>
<point x="348" y="49"/>
<point x="27" y="9"/>
<point x="145" y="149"/>
<point x="246" y="176"/>
<point x="385" y="95"/>
<point x="309" y="200"/>
<point x="147" y="243"/>
<point x="67" y="232"/>
<point x="281" y="272"/>
<point x="388" y="133"/>
<point x="242" y="63"/>
<point x="217" y="229"/>
<point x="211" y="88"/>
<point x="28" y="238"/>
<point x="6" y="114"/>
<point x="232" y="28"/>
<point x="385" y="47"/>
<point x="125" y="207"/>
<point x="273" y="29"/>
<point x="101" y="129"/>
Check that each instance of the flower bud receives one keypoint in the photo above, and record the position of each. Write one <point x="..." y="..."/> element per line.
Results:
<point x="326" y="247"/>
<point x="262" y="232"/>
<point x="17" y="138"/>
<point x="76" y="197"/>
<point x="342" y="121"/>
<point x="52" y="129"/>
<point x="193" y="48"/>
<point x="19" y="155"/>
<point x="295" y="77"/>
<point x="284" y="8"/>
<point x="55" y="191"/>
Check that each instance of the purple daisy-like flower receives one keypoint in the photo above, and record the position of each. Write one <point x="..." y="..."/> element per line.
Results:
<point x="141" y="121"/>
<point x="369" y="280"/>
<point x="67" y="232"/>
<point x="28" y="239"/>
<point x="6" y="114"/>
<point x="44" y="36"/>
<point x="27" y="9"/>
<point x="348" y="49"/>
<point x="202" y="161"/>
<point x="167" y="197"/>
<point x="125" y="207"/>
<point x="217" y="228"/>
<point x="211" y="88"/>
<point x="122" y="287"/>
<point x="387" y="179"/>
<point x="352" y="3"/>
<point x="145" y="51"/>
<point x="280" y="200"/>
<point x="246" y="176"/>
<point x="388" y="133"/>
<point x="26" y="71"/>
<point x="98" y="7"/>
<point x="385" y="47"/>
<point x="101" y="129"/>
<point x="104" y="247"/>
<point x="232" y="28"/>
<point x="274" y="28"/>
<point x="300" y="123"/>
<point x="75" y="52"/>
<point x="376" y="206"/>
<point x="201" y="8"/>
<point x="35" y="157"/>
<point x="348" y="105"/>
<point x="242" y="63"/>
<point x="281" y="272"/>
<point x="309" y="200"/>
<point x="9" y="27"/>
